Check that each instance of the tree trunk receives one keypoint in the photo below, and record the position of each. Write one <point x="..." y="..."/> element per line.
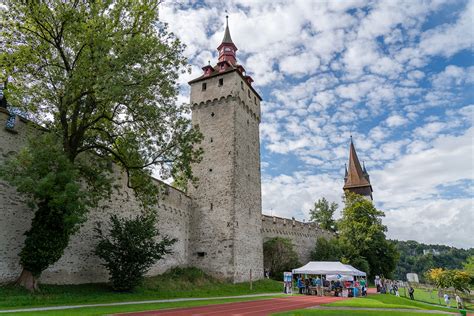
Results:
<point x="28" y="281"/>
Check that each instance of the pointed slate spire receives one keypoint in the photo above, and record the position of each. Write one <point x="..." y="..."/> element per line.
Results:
<point x="227" y="39"/>
<point x="357" y="179"/>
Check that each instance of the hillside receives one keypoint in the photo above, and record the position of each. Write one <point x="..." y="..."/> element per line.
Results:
<point x="418" y="257"/>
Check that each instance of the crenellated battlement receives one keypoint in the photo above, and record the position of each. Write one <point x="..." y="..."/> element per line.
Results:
<point x="302" y="234"/>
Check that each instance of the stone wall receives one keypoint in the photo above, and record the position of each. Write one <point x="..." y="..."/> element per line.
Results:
<point x="227" y="234"/>
<point x="302" y="235"/>
<point x="78" y="264"/>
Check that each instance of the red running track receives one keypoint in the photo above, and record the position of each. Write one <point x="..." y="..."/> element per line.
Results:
<point x="250" y="308"/>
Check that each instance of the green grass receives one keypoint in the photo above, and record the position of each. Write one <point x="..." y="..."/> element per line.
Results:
<point x="386" y="301"/>
<point x="96" y="311"/>
<point x="346" y="312"/>
<point x="177" y="283"/>
<point x="432" y="297"/>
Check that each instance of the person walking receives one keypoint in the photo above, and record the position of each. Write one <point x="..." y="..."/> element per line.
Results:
<point x="446" y="299"/>
<point x="459" y="302"/>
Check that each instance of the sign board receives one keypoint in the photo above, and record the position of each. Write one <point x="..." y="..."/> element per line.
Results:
<point x="287" y="276"/>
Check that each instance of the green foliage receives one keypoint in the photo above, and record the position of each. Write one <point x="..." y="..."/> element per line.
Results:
<point x="52" y="183"/>
<point x="468" y="267"/>
<point x="130" y="249"/>
<point x="323" y="213"/>
<point x="101" y="77"/>
<point x="459" y="280"/>
<point x="327" y="250"/>
<point x="361" y="239"/>
<point x="279" y="256"/>
<point x="175" y="283"/>
<point x="413" y="259"/>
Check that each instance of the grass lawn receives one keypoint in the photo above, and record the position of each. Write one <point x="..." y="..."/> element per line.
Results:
<point x="357" y="313"/>
<point x="96" y="311"/>
<point x="432" y="297"/>
<point x="387" y="301"/>
<point x="177" y="283"/>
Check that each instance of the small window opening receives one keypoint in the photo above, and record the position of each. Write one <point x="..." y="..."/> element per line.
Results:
<point x="242" y="85"/>
<point x="212" y="206"/>
<point x="211" y="140"/>
<point x="201" y="254"/>
<point x="204" y="86"/>
<point x="221" y="82"/>
<point x="247" y="122"/>
<point x="212" y="114"/>
<point x="255" y="100"/>
<point x="210" y="170"/>
<point x="248" y="93"/>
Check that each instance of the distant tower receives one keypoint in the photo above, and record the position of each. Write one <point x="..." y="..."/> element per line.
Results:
<point x="226" y="224"/>
<point x="356" y="178"/>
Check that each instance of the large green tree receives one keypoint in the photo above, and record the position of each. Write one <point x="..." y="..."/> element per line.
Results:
<point x="279" y="256"/>
<point x="101" y="77"/>
<point x="363" y="234"/>
<point x="323" y="213"/>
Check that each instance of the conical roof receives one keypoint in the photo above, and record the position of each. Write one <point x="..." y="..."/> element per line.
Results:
<point x="355" y="174"/>
<point x="227" y="39"/>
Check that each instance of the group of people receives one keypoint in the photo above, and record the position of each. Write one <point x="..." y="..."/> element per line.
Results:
<point x="386" y="286"/>
<point x="447" y="299"/>
<point x="311" y="285"/>
<point x="317" y="286"/>
<point x="389" y="286"/>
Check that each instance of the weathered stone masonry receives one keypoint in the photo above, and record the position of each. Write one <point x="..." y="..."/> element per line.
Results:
<point x="219" y="226"/>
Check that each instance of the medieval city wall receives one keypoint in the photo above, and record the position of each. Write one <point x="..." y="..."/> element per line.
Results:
<point x="79" y="264"/>
<point x="302" y="235"/>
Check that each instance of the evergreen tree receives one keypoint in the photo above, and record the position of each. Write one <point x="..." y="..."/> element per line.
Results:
<point x="101" y="77"/>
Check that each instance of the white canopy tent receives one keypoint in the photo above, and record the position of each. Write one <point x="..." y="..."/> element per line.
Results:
<point x="328" y="268"/>
<point x="356" y="272"/>
<point x="339" y="277"/>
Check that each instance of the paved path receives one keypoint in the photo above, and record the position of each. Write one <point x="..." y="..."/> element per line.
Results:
<point x="411" y="310"/>
<point x="251" y="308"/>
<point x="52" y="308"/>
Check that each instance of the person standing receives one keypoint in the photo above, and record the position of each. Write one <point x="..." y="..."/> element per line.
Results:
<point x="411" y="291"/>
<point x="459" y="301"/>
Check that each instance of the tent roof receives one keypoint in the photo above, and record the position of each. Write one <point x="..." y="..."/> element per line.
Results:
<point x="327" y="267"/>
<point x="356" y="272"/>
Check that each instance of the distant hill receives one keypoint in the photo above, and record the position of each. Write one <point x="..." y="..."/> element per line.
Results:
<point x="418" y="258"/>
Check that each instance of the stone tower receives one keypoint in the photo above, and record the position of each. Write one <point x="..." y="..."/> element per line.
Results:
<point x="226" y="223"/>
<point x="356" y="178"/>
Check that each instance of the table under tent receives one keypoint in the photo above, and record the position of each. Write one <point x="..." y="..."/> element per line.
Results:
<point x="330" y="277"/>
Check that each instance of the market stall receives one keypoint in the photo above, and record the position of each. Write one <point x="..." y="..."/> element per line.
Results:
<point x="324" y="277"/>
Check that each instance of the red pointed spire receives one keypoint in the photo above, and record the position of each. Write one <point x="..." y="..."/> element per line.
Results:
<point x="227" y="48"/>
<point x="356" y="178"/>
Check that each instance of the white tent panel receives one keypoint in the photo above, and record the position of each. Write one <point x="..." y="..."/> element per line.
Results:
<point x="324" y="267"/>
<point x="339" y="277"/>
<point x="356" y="272"/>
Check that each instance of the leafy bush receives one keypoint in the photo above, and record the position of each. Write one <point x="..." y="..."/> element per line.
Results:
<point x="130" y="249"/>
<point x="279" y="256"/>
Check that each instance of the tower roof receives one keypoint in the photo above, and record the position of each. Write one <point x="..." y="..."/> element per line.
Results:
<point x="227" y="39"/>
<point x="356" y="177"/>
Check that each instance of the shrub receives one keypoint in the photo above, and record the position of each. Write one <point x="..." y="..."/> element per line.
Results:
<point x="130" y="249"/>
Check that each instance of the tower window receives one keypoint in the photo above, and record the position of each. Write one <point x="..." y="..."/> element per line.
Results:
<point x="221" y="82"/>
<point x="204" y="86"/>
<point x="211" y="140"/>
<point x="255" y="100"/>
<point x="248" y="92"/>
<point x="242" y="85"/>
<point x="212" y="114"/>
